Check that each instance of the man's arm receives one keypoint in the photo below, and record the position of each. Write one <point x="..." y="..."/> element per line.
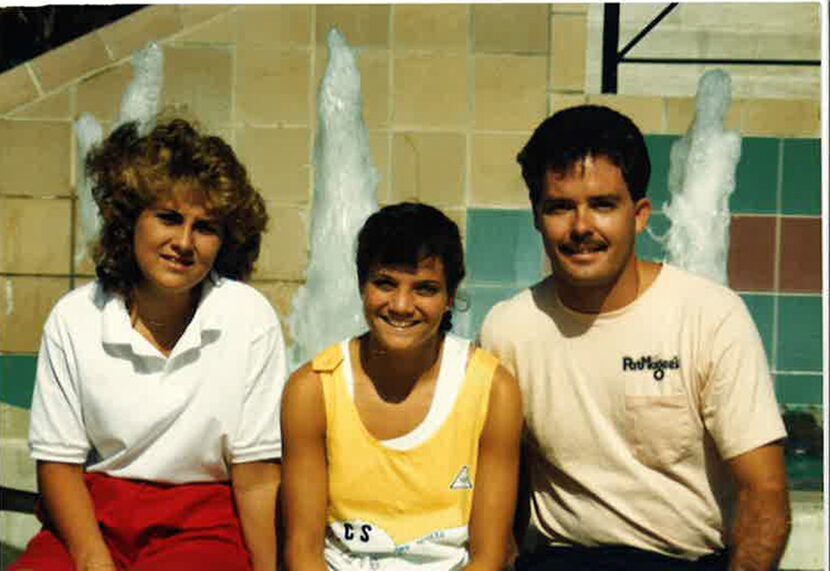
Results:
<point x="305" y="483"/>
<point x="494" y="499"/>
<point x="762" y="524"/>
<point x="255" y="487"/>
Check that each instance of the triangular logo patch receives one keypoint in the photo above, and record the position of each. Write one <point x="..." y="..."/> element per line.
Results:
<point x="462" y="481"/>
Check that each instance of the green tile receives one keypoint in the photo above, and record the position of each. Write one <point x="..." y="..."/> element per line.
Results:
<point x="659" y="150"/>
<point x="805" y="472"/>
<point x="756" y="178"/>
<point x="476" y="301"/>
<point x="799" y="389"/>
<point x="17" y="379"/>
<point x="761" y="307"/>
<point x="503" y="247"/>
<point x="801" y="177"/>
<point x="799" y="333"/>
<point x="649" y="244"/>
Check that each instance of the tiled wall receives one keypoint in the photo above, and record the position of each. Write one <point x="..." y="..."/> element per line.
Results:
<point x="451" y="92"/>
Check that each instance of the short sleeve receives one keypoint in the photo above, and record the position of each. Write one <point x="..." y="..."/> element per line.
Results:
<point x="56" y="430"/>
<point x="738" y="400"/>
<point x="258" y="435"/>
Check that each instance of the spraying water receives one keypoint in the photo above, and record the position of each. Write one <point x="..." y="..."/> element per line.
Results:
<point x="328" y="308"/>
<point x="140" y="103"/>
<point x="701" y="178"/>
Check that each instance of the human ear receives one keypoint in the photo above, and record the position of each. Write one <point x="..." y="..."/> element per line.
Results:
<point x="642" y="212"/>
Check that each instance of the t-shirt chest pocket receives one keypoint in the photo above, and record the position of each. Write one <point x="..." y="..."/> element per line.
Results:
<point x="660" y="429"/>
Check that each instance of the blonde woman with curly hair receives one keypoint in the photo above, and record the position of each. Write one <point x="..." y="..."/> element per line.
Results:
<point x="155" y="415"/>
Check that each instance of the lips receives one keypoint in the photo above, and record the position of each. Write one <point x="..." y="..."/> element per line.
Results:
<point x="399" y="323"/>
<point x="182" y="263"/>
<point x="582" y="249"/>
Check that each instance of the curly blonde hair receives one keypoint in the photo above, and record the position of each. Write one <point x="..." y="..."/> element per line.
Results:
<point x="131" y="172"/>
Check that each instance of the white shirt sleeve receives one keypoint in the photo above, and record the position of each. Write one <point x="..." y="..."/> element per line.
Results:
<point x="739" y="405"/>
<point x="258" y="436"/>
<point x="56" y="430"/>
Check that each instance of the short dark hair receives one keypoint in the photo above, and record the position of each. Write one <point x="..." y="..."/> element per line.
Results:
<point x="130" y="172"/>
<point x="406" y="233"/>
<point x="567" y="137"/>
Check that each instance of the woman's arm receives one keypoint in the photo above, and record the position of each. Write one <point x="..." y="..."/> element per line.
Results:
<point x="70" y="508"/>
<point x="255" y="486"/>
<point x="494" y="499"/>
<point x="305" y="481"/>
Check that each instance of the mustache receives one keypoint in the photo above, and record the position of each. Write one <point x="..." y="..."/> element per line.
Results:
<point x="583" y="246"/>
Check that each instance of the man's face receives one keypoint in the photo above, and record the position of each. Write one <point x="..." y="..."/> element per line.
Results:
<point x="589" y="223"/>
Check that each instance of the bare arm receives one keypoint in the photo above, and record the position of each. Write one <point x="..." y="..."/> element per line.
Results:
<point x="70" y="507"/>
<point x="494" y="500"/>
<point x="762" y="524"/>
<point x="305" y="484"/>
<point x="255" y="486"/>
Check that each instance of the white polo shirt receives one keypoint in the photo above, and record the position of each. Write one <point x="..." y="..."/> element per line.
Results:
<point x="106" y="397"/>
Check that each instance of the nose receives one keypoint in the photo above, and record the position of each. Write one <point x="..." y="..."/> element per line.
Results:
<point x="582" y="222"/>
<point x="401" y="302"/>
<point x="183" y="241"/>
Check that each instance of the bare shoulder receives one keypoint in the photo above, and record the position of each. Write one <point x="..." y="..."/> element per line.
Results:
<point x="303" y="396"/>
<point x="504" y="387"/>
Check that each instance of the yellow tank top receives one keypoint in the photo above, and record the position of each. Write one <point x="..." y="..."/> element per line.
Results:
<point x="404" y="502"/>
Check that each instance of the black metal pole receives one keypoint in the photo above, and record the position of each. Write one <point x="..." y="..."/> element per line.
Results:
<point x="610" y="41"/>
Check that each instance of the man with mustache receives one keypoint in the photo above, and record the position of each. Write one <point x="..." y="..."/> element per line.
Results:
<point x="653" y="437"/>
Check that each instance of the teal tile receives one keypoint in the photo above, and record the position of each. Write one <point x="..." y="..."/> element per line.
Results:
<point x="649" y="243"/>
<point x="659" y="150"/>
<point x="756" y="178"/>
<point x="799" y="333"/>
<point x="761" y="308"/>
<point x="503" y="247"/>
<point x="805" y="472"/>
<point x="475" y="301"/>
<point x="801" y="177"/>
<point x="799" y="389"/>
<point x="17" y="379"/>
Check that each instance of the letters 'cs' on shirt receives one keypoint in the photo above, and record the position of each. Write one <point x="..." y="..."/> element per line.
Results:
<point x="106" y="397"/>
<point x="404" y="503"/>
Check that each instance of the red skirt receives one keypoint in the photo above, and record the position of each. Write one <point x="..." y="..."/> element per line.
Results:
<point x="149" y="526"/>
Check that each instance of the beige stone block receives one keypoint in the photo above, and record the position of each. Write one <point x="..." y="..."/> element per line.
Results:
<point x="560" y="101"/>
<point x="199" y="79"/>
<point x="275" y="26"/>
<point x="431" y="26"/>
<point x="680" y="112"/>
<point x="25" y="303"/>
<point x="281" y="295"/>
<point x="272" y="86"/>
<point x="647" y="112"/>
<point x="70" y="61"/>
<point x="35" y="158"/>
<point x="512" y="28"/>
<point x="18" y="469"/>
<point x="220" y="29"/>
<point x="16" y="88"/>
<point x="569" y="8"/>
<point x="430" y="90"/>
<point x="379" y="142"/>
<point x="429" y="167"/>
<point x="53" y="106"/>
<point x="135" y="31"/>
<point x="285" y="245"/>
<point x="14" y="420"/>
<point x="373" y="67"/>
<point x="362" y="25"/>
<point x="101" y="94"/>
<point x="569" y="37"/>
<point x="510" y="92"/>
<point x="496" y="176"/>
<point x="278" y="161"/>
<point x="194" y="14"/>
<point x="25" y="247"/>
<point x="781" y="118"/>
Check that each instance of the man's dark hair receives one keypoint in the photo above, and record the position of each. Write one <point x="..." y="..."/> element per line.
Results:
<point x="404" y="234"/>
<point x="567" y="137"/>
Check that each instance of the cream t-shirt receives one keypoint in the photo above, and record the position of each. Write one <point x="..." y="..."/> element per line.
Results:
<point x="630" y="414"/>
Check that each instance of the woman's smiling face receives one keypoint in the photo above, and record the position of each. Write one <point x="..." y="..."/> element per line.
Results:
<point x="176" y="242"/>
<point x="403" y="305"/>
